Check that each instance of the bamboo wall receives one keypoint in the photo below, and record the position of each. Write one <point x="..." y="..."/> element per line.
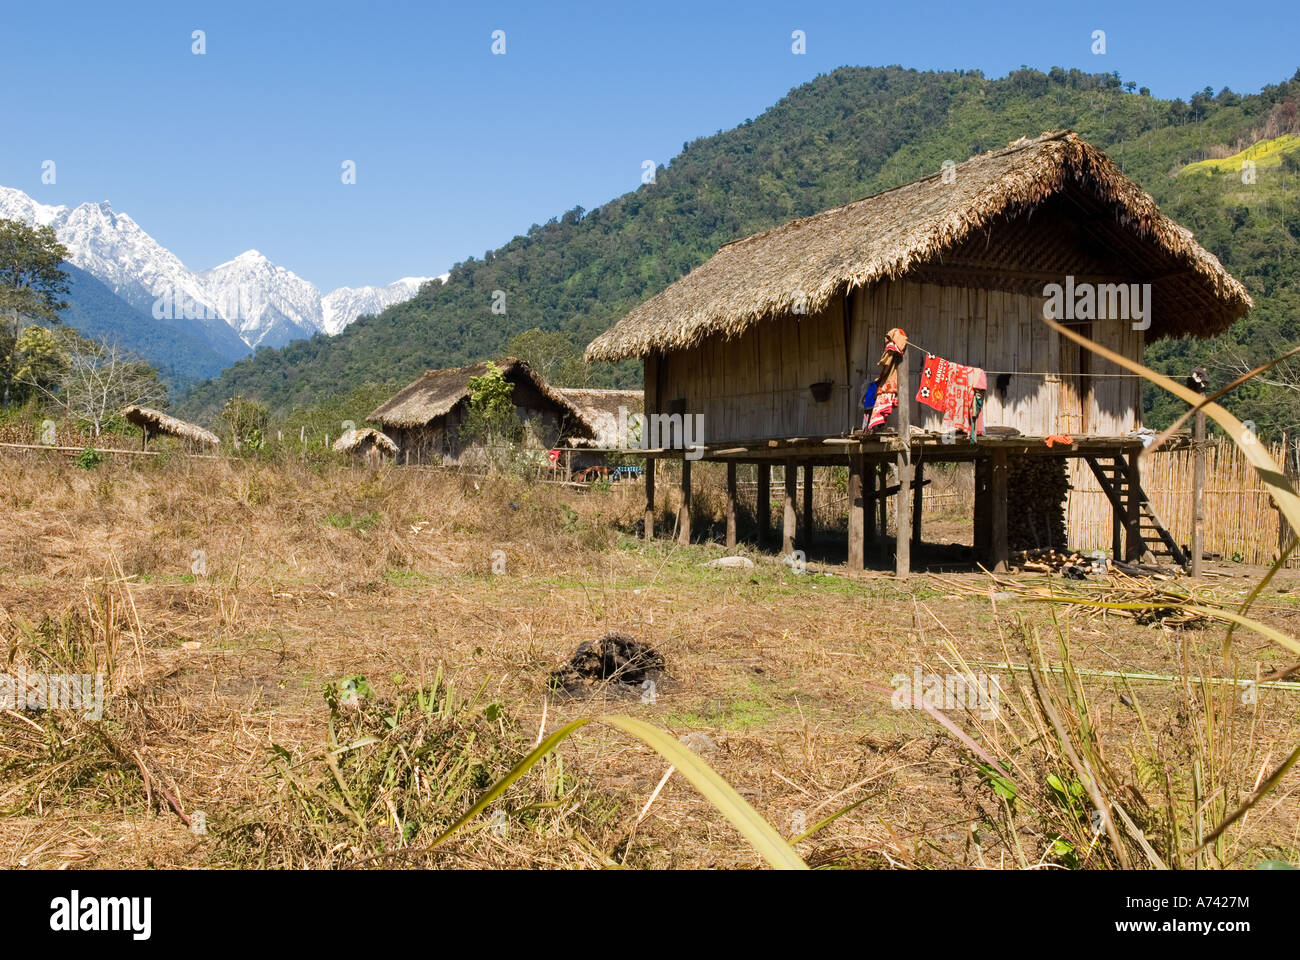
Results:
<point x="1239" y="519"/>
<point x="756" y="386"/>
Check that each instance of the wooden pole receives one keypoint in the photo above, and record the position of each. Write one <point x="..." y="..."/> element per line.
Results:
<point x="998" y="519"/>
<point x="684" y="511"/>
<point x="882" y="501"/>
<point x="731" y="504"/>
<point x="1198" y="494"/>
<point x="807" y="506"/>
<point x="1133" y="545"/>
<point x="903" y="503"/>
<point x="764" y="494"/>
<point x="788" y="512"/>
<point x="1117" y="524"/>
<point x="650" y="498"/>
<point x="917" y="485"/>
<point x="983" y="513"/>
<point x="858" y="514"/>
<point x="869" y="474"/>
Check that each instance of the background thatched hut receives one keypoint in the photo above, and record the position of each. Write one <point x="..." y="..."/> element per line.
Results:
<point x="367" y="443"/>
<point x="607" y="412"/>
<point x="424" y="418"/>
<point x="154" y="422"/>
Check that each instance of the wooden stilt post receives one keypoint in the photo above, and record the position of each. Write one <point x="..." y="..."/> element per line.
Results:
<point x="1198" y="495"/>
<point x="649" y="498"/>
<point x="731" y="504"/>
<point x="1116" y="522"/>
<point x="791" y="472"/>
<point x="1134" y="546"/>
<point x="882" y="501"/>
<point x="998" y="520"/>
<point x="684" y="511"/>
<point x="807" y="532"/>
<point x="903" y="503"/>
<point x="917" y="485"/>
<point x="870" y="477"/>
<point x="858" y="513"/>
<point x="983" y="532"/>
<point x="764" y="495"/>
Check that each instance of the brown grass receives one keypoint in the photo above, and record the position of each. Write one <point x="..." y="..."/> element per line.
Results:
<point x="314" y="574"/>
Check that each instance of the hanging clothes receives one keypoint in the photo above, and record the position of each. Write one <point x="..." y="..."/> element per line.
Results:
<point x="956" y="391"/>
<point x="963" y="413"/>
<point x="935" y="377"/>
<point x="887" y="381"/>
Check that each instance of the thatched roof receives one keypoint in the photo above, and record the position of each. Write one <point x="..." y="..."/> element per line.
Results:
<point x="155" y="421"/>
<point x="891" y="234"/>
<point x="356" y="441"/>
<point x="436" y="392"/>
<point x="599" y="409"/>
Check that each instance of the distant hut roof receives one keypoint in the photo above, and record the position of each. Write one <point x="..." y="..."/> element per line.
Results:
<point x="155" y="421"/>
<point x="357" y="440"/>
<point x="599" y="409"/>
<point x="885" y="236"/>
<point x="436" y="392"/>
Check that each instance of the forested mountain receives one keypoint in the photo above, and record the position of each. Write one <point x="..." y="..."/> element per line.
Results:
<point x="181" y="357"/>
<point x="842" y="136"/>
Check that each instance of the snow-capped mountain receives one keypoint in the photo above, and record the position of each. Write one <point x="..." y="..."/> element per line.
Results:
<point x="112" y="248"/>
<point x="266" y="304"/>
<point x="242" y="303"/>
<point x="340" y="307"/>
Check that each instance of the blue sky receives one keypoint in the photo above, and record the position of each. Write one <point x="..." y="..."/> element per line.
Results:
<point x="458" y="150"/>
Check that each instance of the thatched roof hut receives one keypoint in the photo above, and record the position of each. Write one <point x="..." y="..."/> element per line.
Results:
<point x="359" y="442"/>
<point x="155" y="422"/>
<point x="600" y="410"/>
<point x="436" y="392"/>
<point x="768" y="352"/>
<point x="801" y="266"/>
<point x="424" y="417"/>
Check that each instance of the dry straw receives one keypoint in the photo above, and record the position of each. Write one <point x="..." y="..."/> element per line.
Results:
<point x="155" y="422"/>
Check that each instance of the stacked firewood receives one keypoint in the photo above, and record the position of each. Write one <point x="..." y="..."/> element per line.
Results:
<point x="1049" y="560"/>
<point x="1036" y="492"/>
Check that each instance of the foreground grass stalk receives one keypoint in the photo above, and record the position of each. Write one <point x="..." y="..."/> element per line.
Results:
<point x="769" y="844"/>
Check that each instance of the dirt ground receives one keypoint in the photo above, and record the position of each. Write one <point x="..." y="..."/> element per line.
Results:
<point x="310" y="574"/>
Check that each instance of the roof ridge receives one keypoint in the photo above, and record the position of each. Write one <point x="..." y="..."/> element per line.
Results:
<point x="1024" y="143"/>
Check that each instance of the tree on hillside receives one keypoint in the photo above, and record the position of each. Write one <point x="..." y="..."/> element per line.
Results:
<point x="491" y="417"/>
<point x="246" y="421"/>
<point x="31" y="285"/>
<point x="553" y="355"/>
<point x="97" y="379"/>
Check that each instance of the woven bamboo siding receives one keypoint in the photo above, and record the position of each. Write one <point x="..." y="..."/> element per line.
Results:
<point x="1238" y="516"/>
<point x="756" y="385"/>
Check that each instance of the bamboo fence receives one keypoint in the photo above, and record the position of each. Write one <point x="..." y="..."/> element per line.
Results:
<point x="1241" y="522"/>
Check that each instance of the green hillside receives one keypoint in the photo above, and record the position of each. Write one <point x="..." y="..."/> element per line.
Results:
<point x="842" y="136"/>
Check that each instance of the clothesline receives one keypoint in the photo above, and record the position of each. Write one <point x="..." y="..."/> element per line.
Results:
<point x="1030" y="373"/>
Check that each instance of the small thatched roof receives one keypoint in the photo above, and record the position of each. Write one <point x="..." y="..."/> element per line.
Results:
<point x="359" y="440"/>
<point x="435" y="393"/>
<point x="599" y="410"/>
<point x="155" y="421"/>
<point x="891" y="234"/>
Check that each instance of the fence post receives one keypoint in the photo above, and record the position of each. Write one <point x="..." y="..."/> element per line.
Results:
<point x="1198" y="494"/>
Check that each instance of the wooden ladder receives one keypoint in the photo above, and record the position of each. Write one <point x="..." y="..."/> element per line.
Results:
<point x="1113" y="476"/>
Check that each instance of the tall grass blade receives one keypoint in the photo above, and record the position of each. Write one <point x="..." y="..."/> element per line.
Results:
<point x="769" y="844"/>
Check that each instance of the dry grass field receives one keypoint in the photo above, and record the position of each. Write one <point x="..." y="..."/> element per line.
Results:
<point x="234" y="606"/>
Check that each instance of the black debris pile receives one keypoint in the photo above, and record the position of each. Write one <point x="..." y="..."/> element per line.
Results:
<point x="614" y="661"/>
